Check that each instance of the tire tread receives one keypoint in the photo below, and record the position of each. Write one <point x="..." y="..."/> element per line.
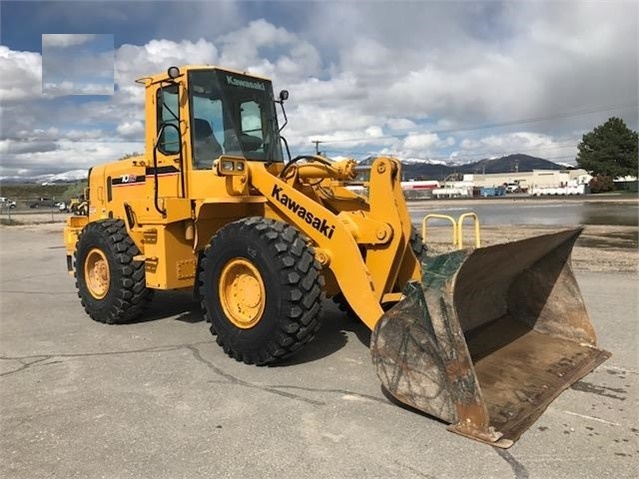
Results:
<point x="131" y="294"/>
<point x="299" y="274"/>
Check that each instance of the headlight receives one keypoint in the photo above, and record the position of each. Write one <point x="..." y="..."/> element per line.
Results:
<point x="230" y="166"/>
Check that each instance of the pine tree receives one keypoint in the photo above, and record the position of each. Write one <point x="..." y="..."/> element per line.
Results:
<point x="610" y="150"/>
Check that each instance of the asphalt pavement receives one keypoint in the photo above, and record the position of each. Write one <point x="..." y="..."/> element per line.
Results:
<point x="159" y="399"/>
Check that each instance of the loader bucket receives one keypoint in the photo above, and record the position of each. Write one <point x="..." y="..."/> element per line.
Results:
<point x="489" y="338"/>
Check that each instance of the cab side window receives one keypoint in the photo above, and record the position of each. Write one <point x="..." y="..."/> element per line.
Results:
<point x="168" y="111"/>
<point x="252" y="127"/>
<point x="251" y="117"/>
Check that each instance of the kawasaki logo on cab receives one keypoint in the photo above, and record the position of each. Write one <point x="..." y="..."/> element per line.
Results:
<point x="255" y="85"/>
<point x="319" y="224"/>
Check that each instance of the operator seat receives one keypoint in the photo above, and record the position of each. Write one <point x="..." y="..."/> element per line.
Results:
<point x="207" y="148"/>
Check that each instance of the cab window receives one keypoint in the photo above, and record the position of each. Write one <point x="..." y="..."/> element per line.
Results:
<point x="251" y="119"/>
<point x="168" y="112"/>
<point x="232" y="114"/>
<point x="208" y="126"/>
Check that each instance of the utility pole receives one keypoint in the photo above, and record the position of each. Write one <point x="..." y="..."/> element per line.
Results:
<point x="317" y="144"/>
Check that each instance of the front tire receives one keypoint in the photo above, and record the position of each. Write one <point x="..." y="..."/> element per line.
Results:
<point x="111" y="285"/>
<point x="417" y="245"/>
<point x="261" y="290"/>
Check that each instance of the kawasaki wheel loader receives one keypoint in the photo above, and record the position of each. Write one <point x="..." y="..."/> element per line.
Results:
<point x="482" y="338"/>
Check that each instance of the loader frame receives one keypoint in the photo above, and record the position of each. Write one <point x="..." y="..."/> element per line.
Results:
<point x="172" y="209"/>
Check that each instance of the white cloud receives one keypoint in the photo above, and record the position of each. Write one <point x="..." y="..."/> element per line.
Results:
<point x="133" y="129"/>
<point x="134" y="61"/>
<point x="399" y="124"/>
<point x="65" y="39"/>
<point x="69" y="72"/>
<point x="22" y="99"/>
<point x="83" y="135"/>
<point x="424" y="141"/>
<point x="244" y="50"/>
<point x="70" y="155"/>
<point x="25" y="146"/>
<point x="334" y="91"/>
<point x="70" y="88"/>
<point x="421" y="71"/>
<point x="533" y="144"/>
<point x="21" y="75"/>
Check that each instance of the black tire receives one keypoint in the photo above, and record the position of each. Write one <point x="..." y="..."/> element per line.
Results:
<point x="292" y="286"/>
<point x="418" y="247"/>
<point x="344" y="307"/>
<point x="127" y="295"/>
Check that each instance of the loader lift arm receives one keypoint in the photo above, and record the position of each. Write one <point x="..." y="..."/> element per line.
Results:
<point x="383" y="232"/>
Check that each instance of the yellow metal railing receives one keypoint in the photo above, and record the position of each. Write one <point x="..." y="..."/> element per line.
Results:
<point x="441" y="217"/>
<point x="458" y="225"/>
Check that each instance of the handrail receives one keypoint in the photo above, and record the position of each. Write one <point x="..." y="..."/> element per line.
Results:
<point x="443" y="217"/>
<point x="460" y="226"/>
<point x="156" y="187"/>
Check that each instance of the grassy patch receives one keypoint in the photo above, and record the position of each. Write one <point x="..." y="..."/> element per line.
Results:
<point x="25" y="193"/>
<point x="10" y="222"/>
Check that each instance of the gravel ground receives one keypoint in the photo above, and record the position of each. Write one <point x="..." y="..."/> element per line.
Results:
<point x="599" y="248"/>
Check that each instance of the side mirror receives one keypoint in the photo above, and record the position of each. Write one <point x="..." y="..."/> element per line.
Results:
<point x="283" y="95"/>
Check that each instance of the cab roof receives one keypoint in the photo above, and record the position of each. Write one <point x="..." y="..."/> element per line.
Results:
<point x="149" y="80"/>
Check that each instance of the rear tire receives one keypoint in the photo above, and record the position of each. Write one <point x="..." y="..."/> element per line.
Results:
<point x="111" y="285"/>
<point x="261" y="290"/>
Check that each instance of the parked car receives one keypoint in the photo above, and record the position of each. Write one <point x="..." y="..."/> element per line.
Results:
<point x="512" y="187"/>
<point x="6" y="203"/>
<point x="43" y="203"/>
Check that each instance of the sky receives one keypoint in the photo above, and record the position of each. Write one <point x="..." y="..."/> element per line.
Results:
<point x="451" y="81"/>
<point x="77" y="64"/>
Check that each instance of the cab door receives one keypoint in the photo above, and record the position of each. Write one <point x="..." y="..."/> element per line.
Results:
<point x="166" y="171"/>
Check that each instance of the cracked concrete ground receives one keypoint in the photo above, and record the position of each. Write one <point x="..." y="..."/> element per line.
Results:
<point x="159" y="399"/>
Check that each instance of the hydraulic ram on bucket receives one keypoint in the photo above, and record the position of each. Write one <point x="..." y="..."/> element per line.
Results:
<point x="489" y="338"/>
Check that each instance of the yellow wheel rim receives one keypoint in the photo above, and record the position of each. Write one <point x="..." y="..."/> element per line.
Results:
<point x="242" y="293"/>
<point x="96" y="273"/>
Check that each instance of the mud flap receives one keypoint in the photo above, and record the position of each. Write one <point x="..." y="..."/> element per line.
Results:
<point x="489" y="338"/>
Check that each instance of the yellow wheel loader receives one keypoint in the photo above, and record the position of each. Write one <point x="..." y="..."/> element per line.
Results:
<point x="481" y="338"/>
<point x="78" y="206"/>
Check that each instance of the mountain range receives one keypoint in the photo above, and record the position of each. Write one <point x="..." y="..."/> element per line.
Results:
<point x="52" y="178"/>
<point x="411" y="169"/>
<point x="438" y="170"/>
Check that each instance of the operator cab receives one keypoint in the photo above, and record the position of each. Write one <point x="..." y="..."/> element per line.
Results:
<point x="230" y="114"/>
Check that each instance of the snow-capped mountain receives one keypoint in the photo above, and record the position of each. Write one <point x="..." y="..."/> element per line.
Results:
<point x="409" y="161"/>
<point x="66" y="177"/>
<point x="420" y="161"/>
<point x="439" y="170"/>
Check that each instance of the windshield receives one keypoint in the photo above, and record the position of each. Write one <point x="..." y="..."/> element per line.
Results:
<point x="232" y="114"/>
